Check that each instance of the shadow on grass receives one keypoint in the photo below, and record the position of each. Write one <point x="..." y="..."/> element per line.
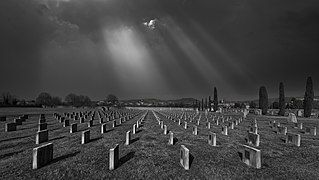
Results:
<point x="25" y="128"/>
<point x="95" y="139"/>
<point x="191" y="159"/>
<point x="126" y="158"/>
<point x="15" y="138"/>
<point x="175" y="140"/>
<point x="134" y="140"/>
<point x="57" y="138"/>
<point x="60" y="158"/>
<point x="109" y="130"/>
<point x="138" y="131"/>
<point x="10" y="154"/>
<point x="283" y="140"/>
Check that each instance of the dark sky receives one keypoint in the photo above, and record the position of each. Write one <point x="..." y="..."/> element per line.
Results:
<point x="158" y="48"/>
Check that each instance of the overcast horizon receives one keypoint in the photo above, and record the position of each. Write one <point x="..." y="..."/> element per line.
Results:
<point x="165" y="49"/>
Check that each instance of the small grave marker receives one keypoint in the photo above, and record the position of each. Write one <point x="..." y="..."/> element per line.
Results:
<point x="212" y="139"/>
<point x="85" y="137"/>
<point x="114" y="157"/>
<point x="184" y="158"/>
<point x="251" y="156"/>
<point x="73" y="128"/>
<point x="42" y="155"/>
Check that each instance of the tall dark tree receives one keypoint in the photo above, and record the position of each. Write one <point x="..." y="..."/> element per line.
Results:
<point x="282" y="103"/>
<point x="215" y="100"/>
<point x="206" y="104"/>
<point x="202" y="104"/>
<point x="308" y="99"/>
<point x="263" y="99"/>
<point x="209" y="103"/>
<point x="44" y="99"/>
<point x="112" y="99"/>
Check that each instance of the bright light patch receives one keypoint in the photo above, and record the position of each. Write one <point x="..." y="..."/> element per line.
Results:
<point x="151" y="24"/>
<point x="132" y="59"/>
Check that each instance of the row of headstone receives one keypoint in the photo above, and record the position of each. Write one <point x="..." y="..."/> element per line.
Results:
<point x="16" y="122"/>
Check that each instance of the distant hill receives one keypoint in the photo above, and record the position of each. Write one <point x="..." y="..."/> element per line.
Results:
<point x="271" y="100"/>
<point x="153" y="101"/>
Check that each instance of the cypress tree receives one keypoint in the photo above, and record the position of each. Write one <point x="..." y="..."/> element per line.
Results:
<point x="206" y="105"/>
<point x="209" y="103"/>
<point x="308" y="99"/>
<point x="282" y="104"/>
<point x="263" y="99"/>
<point x="215" y="99"/>
<point x="202" y="104"/>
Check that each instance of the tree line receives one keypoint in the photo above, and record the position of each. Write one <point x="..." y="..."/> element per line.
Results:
<point x="307" y="104"/>
<point x="45" y="99"/>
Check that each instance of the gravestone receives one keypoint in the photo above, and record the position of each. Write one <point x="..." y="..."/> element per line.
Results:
<point x="42" y="126"/>
<point x="165" y="129"/>
<point x="224" y="130"/>
<point x="258" y="112"/>
<point x="90" y="123"/>
<point x="292" y="118"/>
<point x="134" y="129"/>
<point x="298" y="125"/>
<point x="114" y="157"/>
<point x="114" y="123"/>
<point x="212" y="139"/>
<point x="179" y="122"/>
<point x="137" y="124"/>
<point x="10" y="127"/>
<point x="162" y="124"/>
<point x="82" y="120"/>
<point x="42" y="136"/>
<point x="236" y="122"/>
<point x="294" y="139"/>
<point x="18" y="121"/>
<point x="85" y="137"/>
<point x="62" y="119"/>
<point x="73" y="128"/>
<point x="251" y="156"/>
<point x="101" y="120"/>
<point x="208" y="125"/>
<point x="3" y="118"/>
<point x="42" y="119"/>
<point x="299" y="113"/>
<point x="311" y="130"/>
<point x="282" y="130"/>
<point x="184" y="158"/>
<point x="253" y="139"/>
<point x="128" y="138"/>
<point x="171" y="138"/>
<point x="253" y="130"/>
<point x="42" y="155"/>
<point x="103" y="128"/>
<point x="185" y="125"/>
<point x="66" y="123"/>
<point x="231" y="125"/>
<point x="195" y="130"/>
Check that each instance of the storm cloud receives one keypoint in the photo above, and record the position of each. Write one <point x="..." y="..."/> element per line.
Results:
<point x="158" y="48"/>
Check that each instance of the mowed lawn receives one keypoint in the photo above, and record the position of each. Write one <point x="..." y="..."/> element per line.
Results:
<point x="149" y="156"/>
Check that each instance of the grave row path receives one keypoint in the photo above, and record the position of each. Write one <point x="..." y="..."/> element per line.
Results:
<point x="149" y="156"/>
<point x="69" y="153"/>
<point x="276" y="155"/>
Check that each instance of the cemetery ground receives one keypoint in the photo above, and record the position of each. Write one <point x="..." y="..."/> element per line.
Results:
<point x="149" y="156"/>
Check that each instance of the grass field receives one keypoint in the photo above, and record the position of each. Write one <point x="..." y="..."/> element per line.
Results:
<point x="150" y="156"/>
